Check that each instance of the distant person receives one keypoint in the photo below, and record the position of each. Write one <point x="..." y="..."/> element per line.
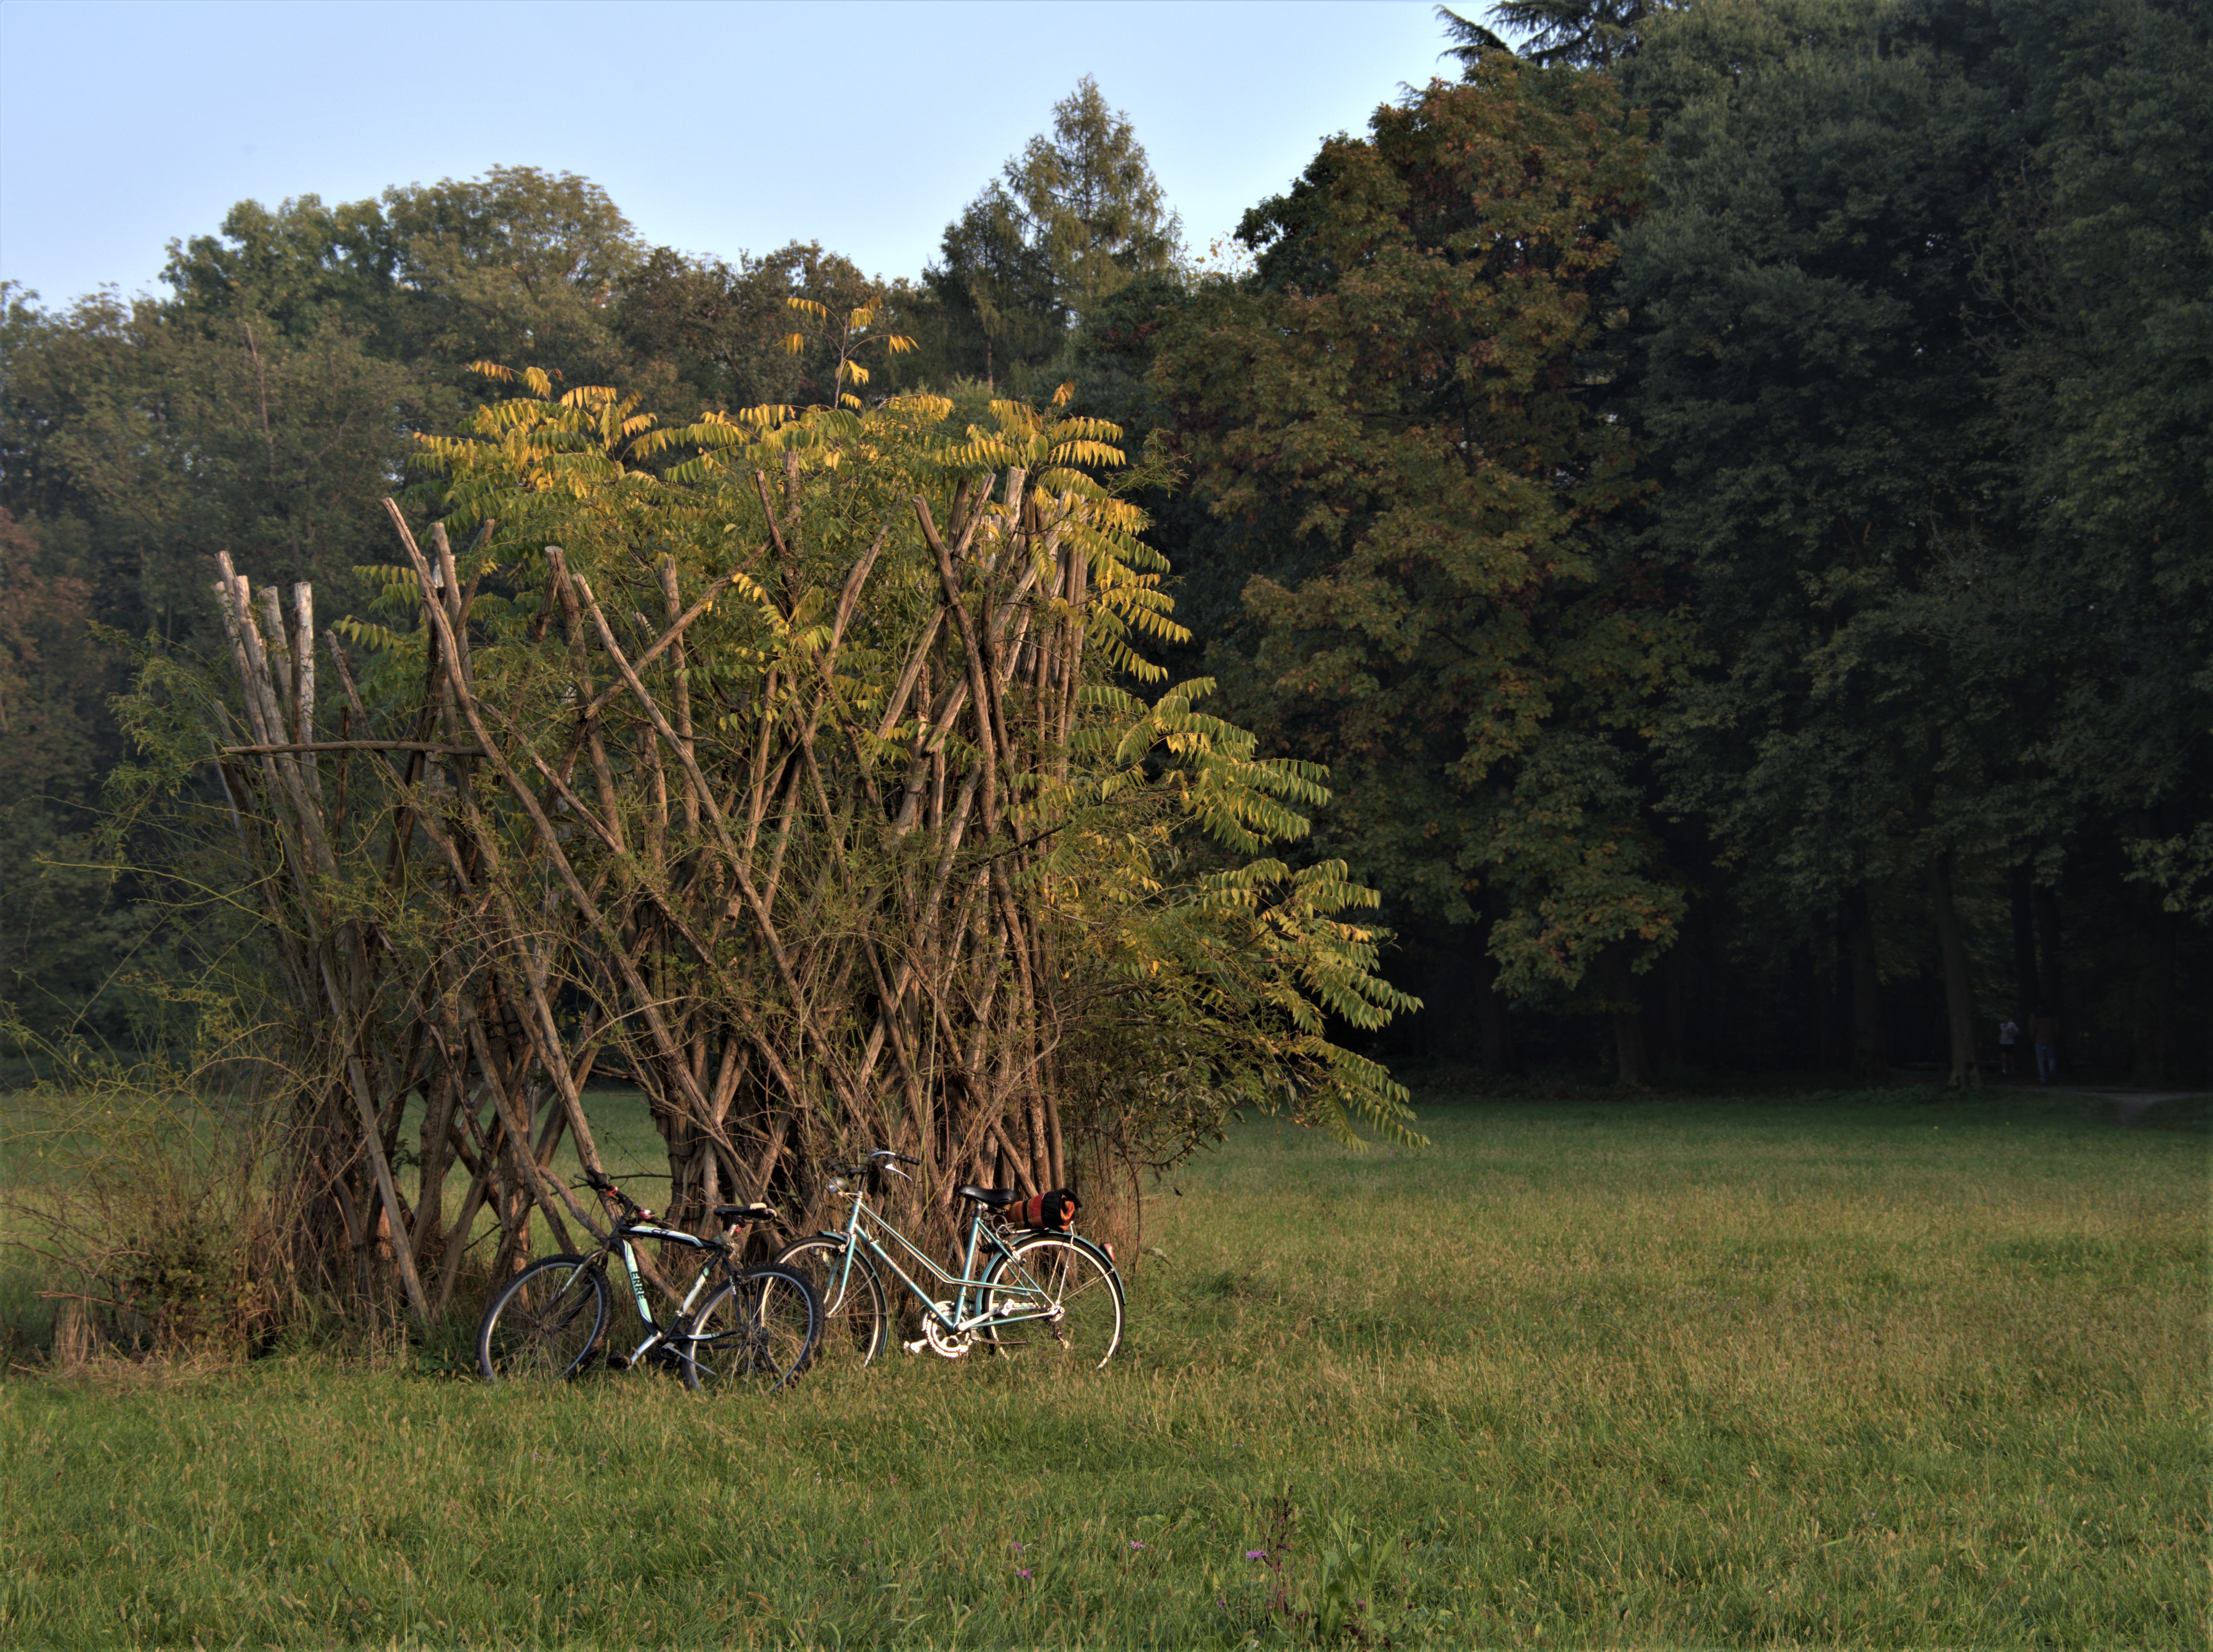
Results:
<point x="2044" y="1032"/>
<point x="2009" y="1035"/>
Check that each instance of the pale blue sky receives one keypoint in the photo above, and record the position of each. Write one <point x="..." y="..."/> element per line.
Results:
<point x="717" y="127"/>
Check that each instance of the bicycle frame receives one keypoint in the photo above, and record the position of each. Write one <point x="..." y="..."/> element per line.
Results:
<point x="961" y="1320"/>
<point x="680" y="1321"/>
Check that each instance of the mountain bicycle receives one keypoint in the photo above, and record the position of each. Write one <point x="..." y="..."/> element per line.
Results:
<point x="759" y="1328"/>
<point x="1046" y="1294"/>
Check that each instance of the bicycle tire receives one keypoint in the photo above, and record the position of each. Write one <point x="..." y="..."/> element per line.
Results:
<point x="542" y="1326"/>
<point x="759" y="1332"/>
<point x="856" y="1319"/>
<point x="1083" y="1289"/>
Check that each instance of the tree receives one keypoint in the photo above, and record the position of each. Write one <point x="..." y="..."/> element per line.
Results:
<point x="141" y="442"/>
<point x="1829" y="466"/>
<point x="1848" y="425"/>
<point x="2096" y="266"/>
<point x="1074" y="218"/>
<point x="138" y="444"/>
<point x="519" y="265"/>
<point x="58" y="933"/>
<point x="1578" y="34"/>
<point x="1404" y="409"/>
<point x="265" y="407"/>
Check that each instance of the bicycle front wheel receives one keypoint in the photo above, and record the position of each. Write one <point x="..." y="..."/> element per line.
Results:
<point x="758" y="1331"/>
<point x="1053" y="1300"/>
<point x="543" y="1325"/>
<point x="855" y="1319"/>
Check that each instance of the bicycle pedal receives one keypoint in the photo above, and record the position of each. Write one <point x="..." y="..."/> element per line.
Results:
<point x="916" y="1346"/>
<point x="618" y="1361"/>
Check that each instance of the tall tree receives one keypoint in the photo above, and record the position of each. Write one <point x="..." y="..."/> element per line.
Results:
<point x="1404" y="404"/>
<point x="1580" y="34"/>
<point x="141" y="442"/>
<point x="136" y="443"/>
<point x="58" y="934"/>
<point x="1828" y="461"/>
<point x="2097" y="267"/>
<point x="1071" y="220"/>
<point x="519" y="265"/>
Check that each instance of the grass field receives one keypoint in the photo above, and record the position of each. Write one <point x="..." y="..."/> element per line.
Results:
<point x="1882" y="1369"/>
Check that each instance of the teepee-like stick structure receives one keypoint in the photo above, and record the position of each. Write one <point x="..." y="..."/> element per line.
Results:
<point x="812" y="927"/>
<point x="792" y="784"/>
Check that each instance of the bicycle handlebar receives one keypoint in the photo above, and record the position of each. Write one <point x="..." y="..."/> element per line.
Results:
<point x="601" y="1183"/>
<point x="884" y="1155"/>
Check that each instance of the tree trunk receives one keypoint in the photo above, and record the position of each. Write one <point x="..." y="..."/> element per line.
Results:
<point x="1870" y="1046"/>
<point x="1632" y="1069"/>
<point x="2156" y="1049"/>
<point x="1958" y="990"/>
<point x="2026" y="988"/>
<point x="1632" y="1066"/>
<point x="2051" y="986"/>
<point x="1675" y="1007"/>
<point x="1836" y="1003"/>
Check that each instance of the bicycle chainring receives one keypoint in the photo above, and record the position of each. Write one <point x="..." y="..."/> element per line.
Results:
<point x="952" y="1345"/>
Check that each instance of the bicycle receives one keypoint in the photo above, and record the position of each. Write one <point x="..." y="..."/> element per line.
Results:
<point x="759" y="1330"/>
<point x="1048" y="1290"/>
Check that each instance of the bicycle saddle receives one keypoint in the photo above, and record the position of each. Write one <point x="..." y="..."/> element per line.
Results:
<point x="744" y="1213"/>
<point x="996" y="1198"/>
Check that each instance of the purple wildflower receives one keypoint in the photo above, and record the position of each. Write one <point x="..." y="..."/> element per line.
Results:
<point x="1256" y="1554"/>
<point x="1024" y="1572"/>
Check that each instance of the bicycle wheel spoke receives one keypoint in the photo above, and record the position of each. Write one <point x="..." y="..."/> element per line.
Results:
<point x="759" y="1332"/>
<point x="855" y="1318"/>
<point x="544" y="1324"/>
<point x="1054" y="1297"/>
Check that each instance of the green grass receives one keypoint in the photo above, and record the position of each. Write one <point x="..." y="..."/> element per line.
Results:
<point x="1870" y="1370"/>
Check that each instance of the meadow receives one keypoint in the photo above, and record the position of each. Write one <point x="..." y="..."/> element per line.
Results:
<point x="1887" y="1369"/>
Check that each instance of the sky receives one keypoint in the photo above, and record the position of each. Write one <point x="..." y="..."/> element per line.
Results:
<point x="716" y="127"/>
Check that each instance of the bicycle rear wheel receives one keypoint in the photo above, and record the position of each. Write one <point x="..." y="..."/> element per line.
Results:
<point x="758" y="1331"/>
<point x="543" y="1325"/>
<point x="1053" y="1300"/>
<point x="856" y="1321"/>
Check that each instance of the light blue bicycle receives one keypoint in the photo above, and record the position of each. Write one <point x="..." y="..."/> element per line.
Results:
<point x="1045" y="1294"/>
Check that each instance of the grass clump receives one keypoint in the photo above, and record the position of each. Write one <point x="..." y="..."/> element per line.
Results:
<point x="1807" y="1370"/>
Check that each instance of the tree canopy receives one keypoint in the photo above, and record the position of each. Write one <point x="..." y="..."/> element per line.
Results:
<point x="1070" y="220"/>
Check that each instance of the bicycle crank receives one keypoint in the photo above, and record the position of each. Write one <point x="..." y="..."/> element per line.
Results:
<point x="950" y="1344"/>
